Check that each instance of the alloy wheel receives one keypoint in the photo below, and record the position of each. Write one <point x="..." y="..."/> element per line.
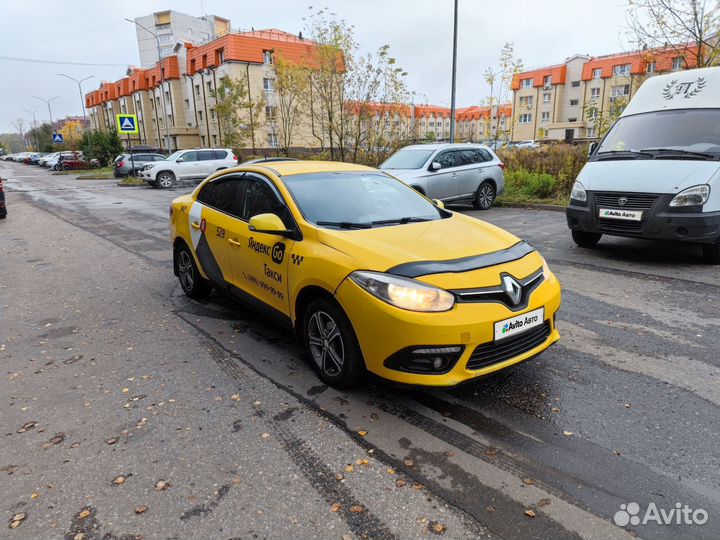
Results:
<point x="165" y="180"/>
<point x="486" y="196"/>
<point x="186" y="274"/>
<point x="326" y="343"/>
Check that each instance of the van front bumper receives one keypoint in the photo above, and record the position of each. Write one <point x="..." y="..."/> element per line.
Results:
<point x="661" y="222"/>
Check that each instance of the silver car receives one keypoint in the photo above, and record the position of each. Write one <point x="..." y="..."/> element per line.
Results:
<point x="452" y="173"/>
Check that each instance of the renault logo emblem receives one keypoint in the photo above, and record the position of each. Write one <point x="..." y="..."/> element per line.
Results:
<point x="622" y="201"/>
<point x="512" y="288"/>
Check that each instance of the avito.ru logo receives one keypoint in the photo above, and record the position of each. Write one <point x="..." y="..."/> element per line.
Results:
<point x="682" y="514"/>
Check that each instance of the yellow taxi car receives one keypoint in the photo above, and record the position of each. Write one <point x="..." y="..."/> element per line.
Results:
<point x="370" y="274"/>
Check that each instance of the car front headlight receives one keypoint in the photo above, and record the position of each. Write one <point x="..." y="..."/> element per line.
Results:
<point x="545" y="268"/>
<point x="578" y="192"/>
<point x="693" y="196"/>
<point x="403" y="292"/>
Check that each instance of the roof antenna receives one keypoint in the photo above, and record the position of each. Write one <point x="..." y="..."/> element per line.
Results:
<point x="300" y="34"/>
<point x="202" y="8"/>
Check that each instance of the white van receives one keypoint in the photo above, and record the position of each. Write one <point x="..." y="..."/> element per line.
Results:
<point x="656" y="174"/>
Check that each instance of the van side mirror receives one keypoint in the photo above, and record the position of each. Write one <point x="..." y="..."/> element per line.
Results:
<point x="435" y="166"/>
<point x="268" y="224"/>
<point x="591" y="149"/>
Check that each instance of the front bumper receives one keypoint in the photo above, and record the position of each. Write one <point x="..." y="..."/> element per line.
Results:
<point x="383" y="331"/>
<point x="660" y="222"/>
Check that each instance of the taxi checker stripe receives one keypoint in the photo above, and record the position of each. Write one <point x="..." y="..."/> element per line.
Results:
<point x="464" y="264"/>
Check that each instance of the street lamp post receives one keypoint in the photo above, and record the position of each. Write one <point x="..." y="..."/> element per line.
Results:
<point x="162" y="81"/>
<point x="47" y="102"/>
<point x="37" y="141"/>
<point x="82" y="97"/>
<point x="454" y="69"/>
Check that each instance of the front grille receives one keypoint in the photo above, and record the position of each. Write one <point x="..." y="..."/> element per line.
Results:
<point x="493" y="353"/>
<point x="634" y="202"/>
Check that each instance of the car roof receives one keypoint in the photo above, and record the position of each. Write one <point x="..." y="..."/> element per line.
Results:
<point x="288" y="168"/>
<point x="443" y="146"/>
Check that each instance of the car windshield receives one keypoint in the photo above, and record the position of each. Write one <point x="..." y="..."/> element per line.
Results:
<point x="686" y="130"/>
<point x="361" y="199"/>
<point x="408" y="158"/>
<point x="175" y="155"/>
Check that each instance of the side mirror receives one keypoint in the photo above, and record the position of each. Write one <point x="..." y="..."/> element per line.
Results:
<point x="438" y="203"/>
<point x="593" y="146"/>
<point x="180" y="159"/>
<point x="268" y="224"/>
<point x="435" y="166"/>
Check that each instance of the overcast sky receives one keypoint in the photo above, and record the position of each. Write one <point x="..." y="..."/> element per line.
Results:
<point x="419" y="33"/>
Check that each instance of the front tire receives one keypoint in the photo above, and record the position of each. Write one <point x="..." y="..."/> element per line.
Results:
<point x="711" y="253"/>
<point x="332" y="344"/>
<point x="165" y="180"/>
<point x="193" y="284"/>
<point x="586" y="239"/>
<point x="484" y="197"/>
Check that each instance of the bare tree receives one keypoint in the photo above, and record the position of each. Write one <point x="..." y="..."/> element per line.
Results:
<point x="19" y="125"/>
<point x="500" y="82"/>
<point x="290" y="102"/>
<point x="689" y="27"/>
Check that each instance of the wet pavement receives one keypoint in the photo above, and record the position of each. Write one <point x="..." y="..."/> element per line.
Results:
<point x="97" y="339"/>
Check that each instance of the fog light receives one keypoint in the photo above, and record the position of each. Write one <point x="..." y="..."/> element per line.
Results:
<point x="429" y="360"/>
<point x="438" y="363"/>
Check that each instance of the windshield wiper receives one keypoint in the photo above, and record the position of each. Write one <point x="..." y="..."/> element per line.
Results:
<point x="345" y="224"/>
<point x="401" y="220"/>
<point x="623" y="154"/>
<point x="681" y="152"/>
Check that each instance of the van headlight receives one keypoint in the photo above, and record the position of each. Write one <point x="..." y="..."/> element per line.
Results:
<point x="578" y="192"/>
<point x="692" y="196"/>
<point x="403" y="292"/>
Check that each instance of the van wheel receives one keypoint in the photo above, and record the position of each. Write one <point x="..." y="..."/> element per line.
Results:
<point x="165" y="180"/>
<point x="586" y="239"/>
<point x="484" y="197"/>
<point x="331" y="341"/>
<point x="711" y="253"/>
<point x="193" y="284"/>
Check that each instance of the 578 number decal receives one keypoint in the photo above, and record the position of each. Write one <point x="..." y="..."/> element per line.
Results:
<point x="220" y="232"/>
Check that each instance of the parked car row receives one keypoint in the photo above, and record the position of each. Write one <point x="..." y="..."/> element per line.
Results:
<point x="57" y="161"/>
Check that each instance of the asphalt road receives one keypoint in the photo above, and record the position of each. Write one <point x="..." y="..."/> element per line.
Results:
<point x="113" y="372"/>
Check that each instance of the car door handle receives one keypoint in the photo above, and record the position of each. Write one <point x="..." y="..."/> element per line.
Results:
<point x="234" y="242"/>
<point x="454" y="174"/>
<point x="195" y="225"/>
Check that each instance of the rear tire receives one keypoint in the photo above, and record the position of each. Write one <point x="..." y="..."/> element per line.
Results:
<point x="586" y="239"/>
<point x="711" y="253"/>
<point x="332" y="344"/>
<point x="193" y="284"/>
<point x="484" y="197"/>
<point x="165" y="180"/>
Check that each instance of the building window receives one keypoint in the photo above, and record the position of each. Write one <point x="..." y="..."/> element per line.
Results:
<point x="592" y="113"/>
<point x="526" y="83"/>
<point x="165" y="38"/>
<point x="620" y="90"/>
<point x="677" y="63"/>
<point x="202" y="140"/>
<point x="200" y="117"/>
<point x="572" y="119"/>
<point x="187" y="103"/>
<point x="595" y="93"/>
<point x="209" y="87"/>
<point x="526" y="101"/>
<point x="220" y="56"/>
<point x="650" y="67"/>
<point x="597" y="73"/>
<point x="212" y="114"/>
<point x="575" y="84"/>
<point x="215" y="140"/>
<point x="273" y="140"/>
<point x="525" y="118"/>
<point x="574" y="102"/>
<point x="197" y="90"/>
<point x="269" y="85"/>
<point x="547" y="80"/>
<point x="270" y="111"/>
<point x="545" y="117"/>
<point x="591" y="132"/>
<point x="546" y="97"/>
<point x="268" y="58"/>
<point x="165" y="51"/>
<point x="621" y="70"/>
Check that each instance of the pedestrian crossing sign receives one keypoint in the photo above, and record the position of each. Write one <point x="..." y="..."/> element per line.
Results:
<point x="126" y="123"/>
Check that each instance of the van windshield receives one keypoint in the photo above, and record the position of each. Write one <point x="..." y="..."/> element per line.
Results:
<point x="686" y="131"/>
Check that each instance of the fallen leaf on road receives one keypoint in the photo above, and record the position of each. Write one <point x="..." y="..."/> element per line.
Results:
<point x="125" y="390"/>
<point x="256" y="403"/>
<point x="399" y="483"/>
<point x="79" y="536"/>
<point x="362" y="433"/>
<point x="528" y="481"/>
<point x="491" y="452"/>
<point x="628" y="405"/>
<point x="57" y="439"/>
<point x="543" y="502"/>
<point x="161" y="485"/>
<point x="391" y="471"/>
<point x="362" y="462"/>
<point x="335" y="507"/>
<point x="141" y="509"/>
<point x="556" y="409"/>
<point x="349" y="468"/>
<point x="26" y="426"/>
<point x="85" y="513"/>
<point x="490" y="509"/>
<point x="616" y="452"/>
<point x="408" y="462"/>
<point x="347" y="536"/>
<point x="530" y="513"/>
<point x="17" y="520"/>
<point x="437" y="528"/>
<point x="339" y="476"/>
<point x="235" y="397"/>
<point x="111" y="440"/>
<point x="9" y="469"/>
<point x="357" y="509"/>
<point x="34" y="496"/>
<point x="265" y="435"/>
<point x="119" y="480"/>
<point x="567" y="433"/>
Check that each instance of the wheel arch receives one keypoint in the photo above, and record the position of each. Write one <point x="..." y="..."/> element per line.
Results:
<point x="303" y="299"/>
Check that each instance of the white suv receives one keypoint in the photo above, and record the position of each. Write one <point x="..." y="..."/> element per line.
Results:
<point x="195" y="164"/>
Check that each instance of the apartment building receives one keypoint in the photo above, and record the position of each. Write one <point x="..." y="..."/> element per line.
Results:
<point x="483" y="123"/>
<point x="562" y="101"/>
<point x="173" y="27"/>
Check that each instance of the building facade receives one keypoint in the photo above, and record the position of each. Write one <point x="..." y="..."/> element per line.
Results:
<point x="172" y="27"/>
<point x="564" y="102"/>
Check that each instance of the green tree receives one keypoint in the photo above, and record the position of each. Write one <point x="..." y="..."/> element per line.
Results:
<point x="499" y="82"/>
<point x="238" y="112"/>
<point x="290" y="101"/>
<point x="103" y="146"/>
<point x="602" y="120"/>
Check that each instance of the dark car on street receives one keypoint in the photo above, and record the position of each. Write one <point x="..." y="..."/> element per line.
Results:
<point x="3" y="210"/>
<point x="74" y="161"/>
<point x="126" y="164"/>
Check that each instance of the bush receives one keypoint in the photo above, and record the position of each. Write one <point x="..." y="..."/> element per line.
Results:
<point x="101" y="145"/>
<point x="527" y="185"/>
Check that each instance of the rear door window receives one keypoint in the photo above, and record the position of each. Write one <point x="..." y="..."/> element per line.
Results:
<point x="219" y="154"/>
<point x="225" y="194"/>
<point x="190" y="156"/>
<point x="205" y="155"/>
<point x="445" y="159"/>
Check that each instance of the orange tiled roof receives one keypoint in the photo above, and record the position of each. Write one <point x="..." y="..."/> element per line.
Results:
<point x="557" y="74"/>
<point x="476" y="112"/>
<point x="638" y="61"/>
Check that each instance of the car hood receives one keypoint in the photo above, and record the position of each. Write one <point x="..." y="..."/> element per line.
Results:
<point x="382" y="248"/>
<point x="405" y="174"/>
<point x="647" y="175"/>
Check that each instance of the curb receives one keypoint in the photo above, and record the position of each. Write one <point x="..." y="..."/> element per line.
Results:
<point x="533" y="206"/>
<point x="120" y="184"/>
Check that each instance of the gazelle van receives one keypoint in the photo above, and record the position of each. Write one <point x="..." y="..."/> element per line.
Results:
<point x="656" y="174"/>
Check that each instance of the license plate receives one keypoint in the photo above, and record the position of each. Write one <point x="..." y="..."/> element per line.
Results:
<point x="614" y="213"/>
<point x="518" y="324"/>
